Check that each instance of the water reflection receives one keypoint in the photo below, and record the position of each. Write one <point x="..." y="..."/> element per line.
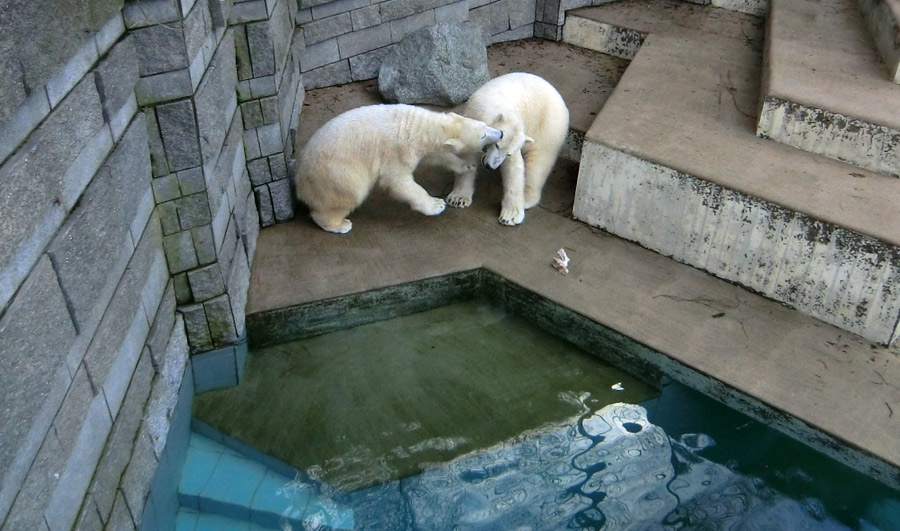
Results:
<point x="607" y="469"/>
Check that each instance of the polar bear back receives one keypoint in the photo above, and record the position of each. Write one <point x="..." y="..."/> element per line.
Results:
<point x="535" y="101"/>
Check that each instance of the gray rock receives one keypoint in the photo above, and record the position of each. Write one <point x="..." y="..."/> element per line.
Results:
<point x="439" y="65"/>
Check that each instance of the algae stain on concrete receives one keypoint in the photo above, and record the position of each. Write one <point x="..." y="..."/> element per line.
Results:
<point x="385" y="400"/>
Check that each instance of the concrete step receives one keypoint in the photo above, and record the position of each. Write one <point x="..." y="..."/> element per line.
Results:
<point x="672" y="162"/>
<point x="619" y="28"/>
<point x="824" y="87"/>
<point x="220" y="486"/>
<point x="883" y="18"/>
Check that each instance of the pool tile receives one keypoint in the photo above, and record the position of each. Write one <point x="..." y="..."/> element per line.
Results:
<point x="186" y="520"/>
<point x="215" y="522"/>
<point x="198" y="468"/>
<point x="276" y="498"/>
<point x="231" y="487"/>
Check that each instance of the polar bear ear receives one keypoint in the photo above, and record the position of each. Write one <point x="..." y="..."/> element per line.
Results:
<point x="453" y="145"/>
<point x="528" y="140"/>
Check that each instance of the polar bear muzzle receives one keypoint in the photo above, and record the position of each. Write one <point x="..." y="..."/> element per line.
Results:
<point x="491" y="136"/>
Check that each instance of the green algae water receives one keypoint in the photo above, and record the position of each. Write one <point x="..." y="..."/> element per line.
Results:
<point x="382" y="401"/>
<point x="470" y="417"/>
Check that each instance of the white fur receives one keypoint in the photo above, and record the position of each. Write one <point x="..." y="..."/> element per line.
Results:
<point x="535" y="121"/>
<point x="379" y="144"/>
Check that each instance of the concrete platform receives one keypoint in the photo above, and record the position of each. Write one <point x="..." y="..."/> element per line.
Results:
<point x="825" y="88"/>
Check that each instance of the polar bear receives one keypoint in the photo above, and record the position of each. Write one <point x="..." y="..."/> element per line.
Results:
<point x="379" y="144"/>
<point x="534" y="120"/>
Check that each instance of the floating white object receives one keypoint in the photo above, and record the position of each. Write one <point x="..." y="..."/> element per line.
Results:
<point x="561" y="262"/>
<point x="617" y="387"/>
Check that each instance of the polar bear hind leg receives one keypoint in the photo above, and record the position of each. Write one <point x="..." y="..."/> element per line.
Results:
<point x="332" y="220"/>
<point x="538" y="165"/>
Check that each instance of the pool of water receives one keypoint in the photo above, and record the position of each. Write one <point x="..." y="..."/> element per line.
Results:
<point x="469" y="417"/>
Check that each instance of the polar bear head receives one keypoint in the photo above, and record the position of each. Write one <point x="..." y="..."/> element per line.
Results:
<point x="513" y="139"/>
<point x="468" y="135"/>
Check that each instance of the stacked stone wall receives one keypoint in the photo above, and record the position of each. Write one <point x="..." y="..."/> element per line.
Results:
<point x="132" y="142"/>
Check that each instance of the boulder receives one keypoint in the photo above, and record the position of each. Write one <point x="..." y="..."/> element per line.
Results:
<point x="438" y="65"/>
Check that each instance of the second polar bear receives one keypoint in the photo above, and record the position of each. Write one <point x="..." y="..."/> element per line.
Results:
<point x="379" y="144"/>
<point x="534" y="120"/>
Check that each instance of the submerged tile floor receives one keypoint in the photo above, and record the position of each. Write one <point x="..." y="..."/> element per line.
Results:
<point x="223" y="490"/>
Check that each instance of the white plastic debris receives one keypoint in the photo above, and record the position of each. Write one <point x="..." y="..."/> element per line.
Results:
<point x="617" y="386"/>
<point x="561" y="262"/>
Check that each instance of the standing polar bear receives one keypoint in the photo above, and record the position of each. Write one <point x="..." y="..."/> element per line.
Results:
<point x="534" y="120"/>
<point x="380" y="144"/>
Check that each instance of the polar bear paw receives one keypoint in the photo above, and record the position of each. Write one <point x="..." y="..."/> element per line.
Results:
<point x="434" y="207"/>
<point x="459" y="201"/>
<point x="512" y="216"/>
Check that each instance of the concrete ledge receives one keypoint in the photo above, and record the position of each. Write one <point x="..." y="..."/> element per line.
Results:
<point x="883" y="18"/>
<point x="838" y="276"/>
<point x="825" y="88"/>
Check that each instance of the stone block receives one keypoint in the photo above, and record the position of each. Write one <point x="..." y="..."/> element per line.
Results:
<point x="193" y="211"/>
<point x="140" y="13"/>
<point x="320" y="54"/>
<point x="75" y="69"/>
<point x="493" y="18"/>
<point x="221" y="321"/>
<point x="180" y="253"/>
<point x="365" y="17"/>
<point x="231" y="161"/>
<point x="244" y="12"/>
<point x="197" y="29"/>
<point x="305" y="4"/>
<point x="135" y="485"/>
<point x="402" y="26"/>
<point x="337" y="7"/>
<point x="16" y="127"/>
<point x="278" y="167"/>
<point x="220" y="11"/>
<point x="122" y="369"/>
<point x="365" y="40"/>
<point x="264" y="206"/>
<point x="179" y="133"/>
<point x="216" y="103"/>
<point x="89" y="517"/>
<point x="86" y="164"/>
<point x="261" y="87"/>
<point x="259" y="171"/>
<point x="27" y="511"/>
<point x="191" y="181"/>
<point x="196" y="327"/>
<point x="205" y="244"/>
<point x="262" y="55"/>
<point x="397" y="9"/>
<point x="117" y="454"/>
<point x="270" y="141"/>
<point x="182" y="289"/>
<point x="366" y="65"/>
<point x="163" y="87"/>
<point x="161" y="328"/>
<point x="67" y="497"/>
<point x="242" y="53"/>
<point x="327" y="76"/>
<point x="249" y="229"/>
<point x="172" y="390"/>
<point x="327" y="28"/>
<point x="73" y="410"/>
<point x="269" y="108"/>
<point x="282" y="199"/>
<point x="158" y="164"/>
<point x="168" y="218"/>
<point x="120" y="519"/>
<point x="281" y="31"/>
<point x="160" y="49"/>
<point x="121" y="118"/>
<point x="456" y="12"/>
<point x="303" y="16"/>
<point x="32" y="181"/>
<point x="166" y="188"/>
<point x="90" y="250"/>
<point x="116" y="76"/>
<point x="206" y="282"/>
<point x="230" y="245"/>
<point x="521" y="12"/>
<point x="522" y="32"/>
<point x="251" y="113"/>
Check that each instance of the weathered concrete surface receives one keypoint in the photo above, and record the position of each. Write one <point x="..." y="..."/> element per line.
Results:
<point x="824" y="88"/>
<point x="675" y="166"/>
<point x="883" y="18"/>
<point x="619" y="28"/>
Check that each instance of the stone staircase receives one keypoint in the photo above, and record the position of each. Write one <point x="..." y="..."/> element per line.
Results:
<point x="681" y="159"/>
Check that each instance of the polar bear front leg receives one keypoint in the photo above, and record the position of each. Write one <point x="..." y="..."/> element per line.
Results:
<point x="405" y="188"/>
<point x="463" y="184"/>
<point x="512" y="208"/>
